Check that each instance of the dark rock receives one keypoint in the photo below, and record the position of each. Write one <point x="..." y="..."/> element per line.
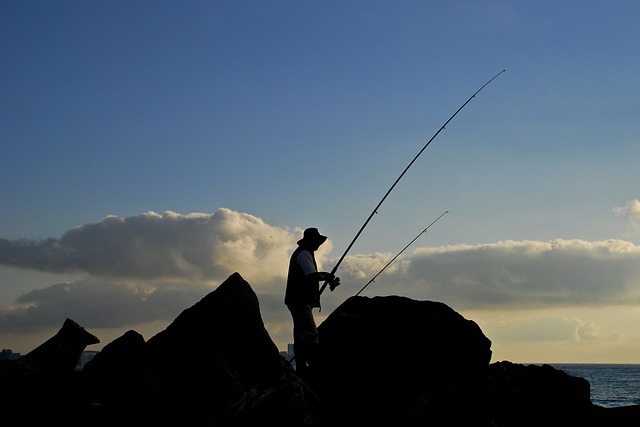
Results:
<point x="120" y="357"/>
<point x="61" y="352"/>
<point x="417" y="337"/>
<point x="43" y="385"/>
<point x="532" y="395"/>
<point x="215" y="363"/>
<point x="622" y="416"/>
<point x="369" y="346"/>
<point x="114" y="373"/>
<point x="230" y="351"/>
<point x="383" y="360"/>
<point x="222" y="332"/>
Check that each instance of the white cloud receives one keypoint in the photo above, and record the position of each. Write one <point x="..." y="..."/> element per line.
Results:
<point x="150" y="267"/>
<point x="631" y="209"/>
<point x="521" y="274"/>
<point x="152" y="246"/>
<point x="98" y="304"/>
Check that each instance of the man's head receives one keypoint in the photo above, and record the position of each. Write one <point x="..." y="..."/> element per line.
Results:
<point x="312" y="238"/>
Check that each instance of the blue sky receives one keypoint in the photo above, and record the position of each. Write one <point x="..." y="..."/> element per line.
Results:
<point x="161" y="146"/>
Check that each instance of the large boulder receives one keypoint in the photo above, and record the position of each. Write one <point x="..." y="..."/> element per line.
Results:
<point x="380" y="357"/>
<point x="399" y="336"/>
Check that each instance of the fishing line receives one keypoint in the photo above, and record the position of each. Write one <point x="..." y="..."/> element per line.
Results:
<point x="399" y="253"/>
<point x="375" y="210"/>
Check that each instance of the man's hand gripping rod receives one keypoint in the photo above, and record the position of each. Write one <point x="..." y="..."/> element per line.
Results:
<point x="332" y="285"/>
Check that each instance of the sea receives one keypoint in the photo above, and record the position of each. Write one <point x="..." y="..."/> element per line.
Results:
<point x="612" y="385"/>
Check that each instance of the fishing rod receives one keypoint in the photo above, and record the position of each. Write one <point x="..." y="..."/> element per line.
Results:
<point x="399" y="253"/>
<point x="375" y="210"/>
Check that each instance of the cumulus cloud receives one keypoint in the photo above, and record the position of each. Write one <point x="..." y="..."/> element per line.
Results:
<point x="519" y="274"/>
<point x="98" y="304"/>
<point x="631" y="210"/>
<point x="153" y="246"/>
<point x="148" y="267"/>
<point x="151" y="267"/>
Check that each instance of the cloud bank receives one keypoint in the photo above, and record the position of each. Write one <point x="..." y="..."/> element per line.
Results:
<point x="152" y="246"/>
<point x="151" y="267"/>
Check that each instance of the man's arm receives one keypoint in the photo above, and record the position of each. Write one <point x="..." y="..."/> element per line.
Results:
<point x="323" y="276"/>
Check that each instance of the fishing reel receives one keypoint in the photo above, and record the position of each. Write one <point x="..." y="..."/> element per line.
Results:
<point x="334" y="284"/>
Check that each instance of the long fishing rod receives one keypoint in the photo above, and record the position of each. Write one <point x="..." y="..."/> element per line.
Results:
<point x="375" y="210"/>
<point x="399" y="253"/>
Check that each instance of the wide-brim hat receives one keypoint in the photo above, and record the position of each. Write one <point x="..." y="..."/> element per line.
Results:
<point x="312" y="235"/>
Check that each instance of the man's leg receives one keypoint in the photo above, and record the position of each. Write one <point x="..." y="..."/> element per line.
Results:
<point x="305" y="336"/>
<point x="300" y="353"/>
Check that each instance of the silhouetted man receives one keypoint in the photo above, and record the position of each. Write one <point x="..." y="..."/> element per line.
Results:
<point x="303" y="293"/>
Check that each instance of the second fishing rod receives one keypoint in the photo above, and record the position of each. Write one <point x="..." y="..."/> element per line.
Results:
<point x="375" y="210"/>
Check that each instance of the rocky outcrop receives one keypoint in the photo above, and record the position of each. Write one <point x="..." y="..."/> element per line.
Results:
<point x="42" y="386"/>
<point x="61" y="352"/>
<point x="382" y="360"/>
<point x="205" y="367"/>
